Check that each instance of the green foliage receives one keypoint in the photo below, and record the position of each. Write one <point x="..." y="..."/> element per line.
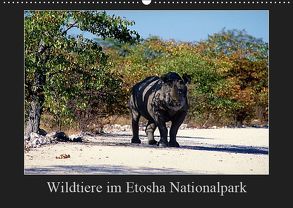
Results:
<point x="61" y="69"/>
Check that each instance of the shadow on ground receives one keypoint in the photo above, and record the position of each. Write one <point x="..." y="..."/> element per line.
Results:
<point x="186" y="144"/>
<point x="231" y="149"/>
<point x="144" y="136"/>
<point x="102" y="170"/>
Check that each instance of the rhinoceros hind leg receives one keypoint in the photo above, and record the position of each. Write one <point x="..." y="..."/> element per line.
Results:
<point x="135" y="126"/>
<point x="150" y="129"/>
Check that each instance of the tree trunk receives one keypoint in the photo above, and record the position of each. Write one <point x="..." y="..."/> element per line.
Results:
<point x="36" y="104"/>
<point x="33" y="122"/>
<point x="37" y="94"/>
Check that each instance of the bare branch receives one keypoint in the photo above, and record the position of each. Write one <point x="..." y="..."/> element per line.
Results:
<point x="70" y="26"/>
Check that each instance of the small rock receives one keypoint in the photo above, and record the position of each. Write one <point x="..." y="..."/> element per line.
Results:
<point x="76" y="139"/>
<point x="42" y="132"/>
<point x="59" y="136"/>
<point x="37" y="140"/>
<point x="63" y="156"/>
<point x="35" y="143"/>
<point x="33" y="136"/>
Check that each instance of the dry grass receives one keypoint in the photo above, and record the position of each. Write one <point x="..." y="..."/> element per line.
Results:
<point x="49" y="124"/>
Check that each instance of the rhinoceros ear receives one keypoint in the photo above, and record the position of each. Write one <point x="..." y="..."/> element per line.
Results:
<point x="186" y="78"/>
<point x="165" y="78"/>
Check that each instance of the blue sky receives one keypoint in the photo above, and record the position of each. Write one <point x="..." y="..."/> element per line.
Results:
<point x="195" y="25"/>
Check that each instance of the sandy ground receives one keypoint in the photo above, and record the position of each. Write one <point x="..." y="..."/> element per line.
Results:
<point x="203" y="151"/>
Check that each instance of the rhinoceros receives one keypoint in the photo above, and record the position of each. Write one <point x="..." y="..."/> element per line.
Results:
<point x="159" y="100"/>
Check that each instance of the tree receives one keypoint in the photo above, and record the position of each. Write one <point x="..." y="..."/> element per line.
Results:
<point x="60" y="67"/>
<point x="244" y="83"/>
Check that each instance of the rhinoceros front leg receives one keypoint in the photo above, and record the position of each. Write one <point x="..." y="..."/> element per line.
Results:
<point x="163" y="133"/>
<point x="150" y="129"/>
<point x="174" y="129"/>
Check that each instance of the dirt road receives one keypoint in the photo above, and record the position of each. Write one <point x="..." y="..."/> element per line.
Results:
<point x="202" y="151"/>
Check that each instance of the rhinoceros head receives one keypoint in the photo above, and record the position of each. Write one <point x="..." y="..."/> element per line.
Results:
<point x="174" y="90"/>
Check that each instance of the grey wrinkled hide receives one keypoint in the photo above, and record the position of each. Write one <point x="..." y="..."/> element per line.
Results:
<point x="159" y="100"/>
